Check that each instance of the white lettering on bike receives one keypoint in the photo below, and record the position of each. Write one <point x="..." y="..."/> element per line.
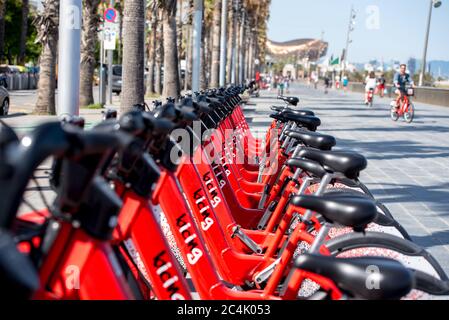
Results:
<point x="167" y="277"/>
<point x="188" y="234"/>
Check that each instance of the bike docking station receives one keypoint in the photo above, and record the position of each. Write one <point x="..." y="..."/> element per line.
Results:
<point x="185" y="203"/>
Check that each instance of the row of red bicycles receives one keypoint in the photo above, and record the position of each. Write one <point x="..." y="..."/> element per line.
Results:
<point x="185" y="203"/>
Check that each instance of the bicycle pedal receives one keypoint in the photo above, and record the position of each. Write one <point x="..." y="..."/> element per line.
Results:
<point x="266" y="273"/>
<point x="266" y="191"/>
<point x="266" y="216"/>
<point x="237" y="232"/>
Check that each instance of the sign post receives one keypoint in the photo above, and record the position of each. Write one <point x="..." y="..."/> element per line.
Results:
<point x="110" y="32"/>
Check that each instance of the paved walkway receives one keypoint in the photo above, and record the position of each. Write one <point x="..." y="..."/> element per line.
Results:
<point x="408" y="166"/>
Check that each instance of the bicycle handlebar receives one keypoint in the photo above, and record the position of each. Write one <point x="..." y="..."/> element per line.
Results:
<point x="50" y="139"/>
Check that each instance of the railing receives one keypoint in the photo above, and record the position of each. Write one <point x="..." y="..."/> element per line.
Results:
<point x="422" y="94"/>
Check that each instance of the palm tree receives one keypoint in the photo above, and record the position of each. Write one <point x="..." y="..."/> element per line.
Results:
<point x="232" y="33"/>
<point x="152" y="12"/>
<point x="252" y="16"/>
<point x="206" y="44"/>
<point x="133" y="54"/>
<point x="180" y="35"/>
<point x="88" y="41"/>
<point x="119" y="7"/>
<point x="23" y="32"/>
<point x="189" y="47"/>
<point x="47" y="23"/>
<point x="215" y="57"/>
<point x="172" y="86"/>
<point x="2" y="28"/>
<point x="159" y="55"/>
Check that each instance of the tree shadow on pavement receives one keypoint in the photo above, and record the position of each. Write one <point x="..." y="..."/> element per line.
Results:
<point x="435" y="239"/>
<point x="436" y="197"/>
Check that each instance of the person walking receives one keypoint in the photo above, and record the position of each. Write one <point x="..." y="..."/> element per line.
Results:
<point x="327" y="84"/>
<point x="345" y="83"/>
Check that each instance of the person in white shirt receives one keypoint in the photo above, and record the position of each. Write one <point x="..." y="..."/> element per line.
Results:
<point x="371" y="83"/>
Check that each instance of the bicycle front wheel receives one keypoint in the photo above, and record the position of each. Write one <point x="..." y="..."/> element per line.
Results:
<point x="409" y="114"/>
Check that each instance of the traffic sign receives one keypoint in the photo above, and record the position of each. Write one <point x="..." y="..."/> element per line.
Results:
<point x="110" y="15"/>
<point x="109" y="38"/>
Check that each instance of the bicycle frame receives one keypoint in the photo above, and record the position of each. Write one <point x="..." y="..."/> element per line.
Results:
<point x="79" y="267"/>
<point x="191" y="246"/>
<point x="138" y="234"/>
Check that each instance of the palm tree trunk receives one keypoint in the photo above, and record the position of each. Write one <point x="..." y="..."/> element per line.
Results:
<point x="88" y="42"/>
<point x="237" y="48"/>
<point x="47" y="24"/>
<point x="119" y="7"/>
<point x="204" y="59"/>
<point x="2" y="29"/>
<point x="242" y="49"/>
<point x="159" y="56"/>
<point x="188" y="73"/>
<point x="179" y="36"/>
<point x="215" y="56"/>
<point x="46" y="103"/>
<point x="231" y="41"/>
<point x="133" y="54"/>
<point x="171" y="72"/>
<point x="152" y="52"/>
<point x="23" y="32"/>
<point x="248" y="54"/>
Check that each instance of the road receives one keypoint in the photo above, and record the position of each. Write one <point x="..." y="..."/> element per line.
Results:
<point x="408" y="164"/>
<point x="23" y="101"/>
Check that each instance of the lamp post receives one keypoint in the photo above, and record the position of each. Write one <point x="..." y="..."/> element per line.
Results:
<point x="223" y="42"/>
<point x="352" y="17"/>
<point x="433" y="4"/>
<point x="110" y="57"/>
<point x="198" y="8"/>
<point x="69" y="57"/>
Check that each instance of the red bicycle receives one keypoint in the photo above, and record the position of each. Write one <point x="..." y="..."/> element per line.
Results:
<point x="92" y="226"/>
<point x="403" y="106"/>
<point x="370" y="98"/>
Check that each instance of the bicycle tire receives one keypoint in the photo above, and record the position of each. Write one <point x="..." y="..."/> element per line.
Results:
<point x="394" y="114"/>
<point x="411" y="114"/>
<point x="429" y="284"/>
<point x="345" y="243"/>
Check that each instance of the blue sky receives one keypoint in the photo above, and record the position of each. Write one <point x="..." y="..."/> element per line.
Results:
<point x="397" y="34"/>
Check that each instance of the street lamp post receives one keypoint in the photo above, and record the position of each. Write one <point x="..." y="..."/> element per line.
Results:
<point x="436" y="4"/>
<point x="69" y="57"/>
<point x="348" y="38"/>
<point x="196" y="51"/>
<point x="223" y="42"/>
<point x="110" y="55"/>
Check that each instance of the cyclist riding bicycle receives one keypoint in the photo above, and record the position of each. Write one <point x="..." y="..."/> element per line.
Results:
<point x="371" y="82"/>
<point x="401" y="80"/>
<point x="381" y="82"/>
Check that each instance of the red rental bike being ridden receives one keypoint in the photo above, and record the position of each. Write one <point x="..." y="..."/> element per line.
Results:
<point x="403" y="106"/>
<point x="370" y="98"/>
